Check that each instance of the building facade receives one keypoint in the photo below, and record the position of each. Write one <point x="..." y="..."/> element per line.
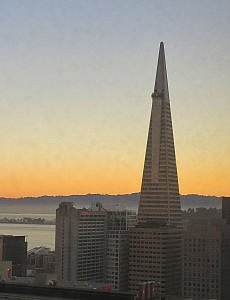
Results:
<point x="80" y="244"/>
<point x="116" y="271"/>
<point x="155" y="255"/>
<point x="155" y="251"/>
<point x="14" y="249"/>
<point x="206" y="256"/>
<point x="202" y="259"/>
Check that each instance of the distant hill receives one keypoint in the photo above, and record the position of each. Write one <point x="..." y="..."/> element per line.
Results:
<point x="194" y="201"/>
<point x="48" y="204"/>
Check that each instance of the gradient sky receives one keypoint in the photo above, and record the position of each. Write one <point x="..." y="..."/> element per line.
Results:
<point x="75" y="85"/>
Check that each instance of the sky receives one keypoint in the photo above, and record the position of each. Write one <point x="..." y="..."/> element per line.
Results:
<point x="76" y="78"/>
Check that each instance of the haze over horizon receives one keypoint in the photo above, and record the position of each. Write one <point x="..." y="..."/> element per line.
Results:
<point x="76" y="79"/>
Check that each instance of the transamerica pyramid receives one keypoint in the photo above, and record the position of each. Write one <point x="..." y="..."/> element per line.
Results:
<point x="155" y="243"/>
<point x="159" y="199"/>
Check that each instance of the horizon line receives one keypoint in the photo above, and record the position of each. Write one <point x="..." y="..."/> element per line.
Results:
<point x="101" y="194"/>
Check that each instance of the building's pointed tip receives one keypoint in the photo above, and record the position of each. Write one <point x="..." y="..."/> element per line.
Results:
<point x="162" y="48"/>
<point x="161" y="54"/>
<point x="161" y="82"/>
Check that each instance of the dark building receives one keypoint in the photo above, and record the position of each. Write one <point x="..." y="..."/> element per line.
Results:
<point x="14" y="249"/>
<point x="206" y="259"/>
<point x="225" y="251"/>
<point x="202" y="259"/>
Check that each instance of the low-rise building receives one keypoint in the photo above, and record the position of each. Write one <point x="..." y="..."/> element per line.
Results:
<point x="41" y="260"/>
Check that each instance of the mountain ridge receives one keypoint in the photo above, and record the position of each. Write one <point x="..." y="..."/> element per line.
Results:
<point x="122" y="201"/>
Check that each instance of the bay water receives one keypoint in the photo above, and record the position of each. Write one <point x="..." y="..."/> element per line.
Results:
<point x="36" y="234"/>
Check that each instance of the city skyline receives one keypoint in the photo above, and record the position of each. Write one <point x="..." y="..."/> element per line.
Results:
<point x="75" y="80"/>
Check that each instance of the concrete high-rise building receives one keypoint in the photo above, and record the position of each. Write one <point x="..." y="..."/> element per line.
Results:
<point x="155" y="250"/>
<point x="80" y="244"/>
<point x="92" y="246"/>
<point x="14" y="249"/>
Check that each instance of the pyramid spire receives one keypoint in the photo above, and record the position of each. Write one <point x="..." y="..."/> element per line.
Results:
<point x="161" y="82"/>
<point x="159" y="199"/>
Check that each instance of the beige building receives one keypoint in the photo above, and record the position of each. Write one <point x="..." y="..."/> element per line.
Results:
<point x="155" y="249"/>
<point x="80" y="244"/>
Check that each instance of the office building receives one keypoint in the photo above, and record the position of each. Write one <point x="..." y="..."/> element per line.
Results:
<point x="206" y="261"/>
<point x="155" y="249"/>
<point x="92" y="246"/>
<point x="80" y="244"/>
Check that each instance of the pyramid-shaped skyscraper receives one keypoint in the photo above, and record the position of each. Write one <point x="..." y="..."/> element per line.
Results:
<point x="155" y="249"/>
<point x="159" y="192"/>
